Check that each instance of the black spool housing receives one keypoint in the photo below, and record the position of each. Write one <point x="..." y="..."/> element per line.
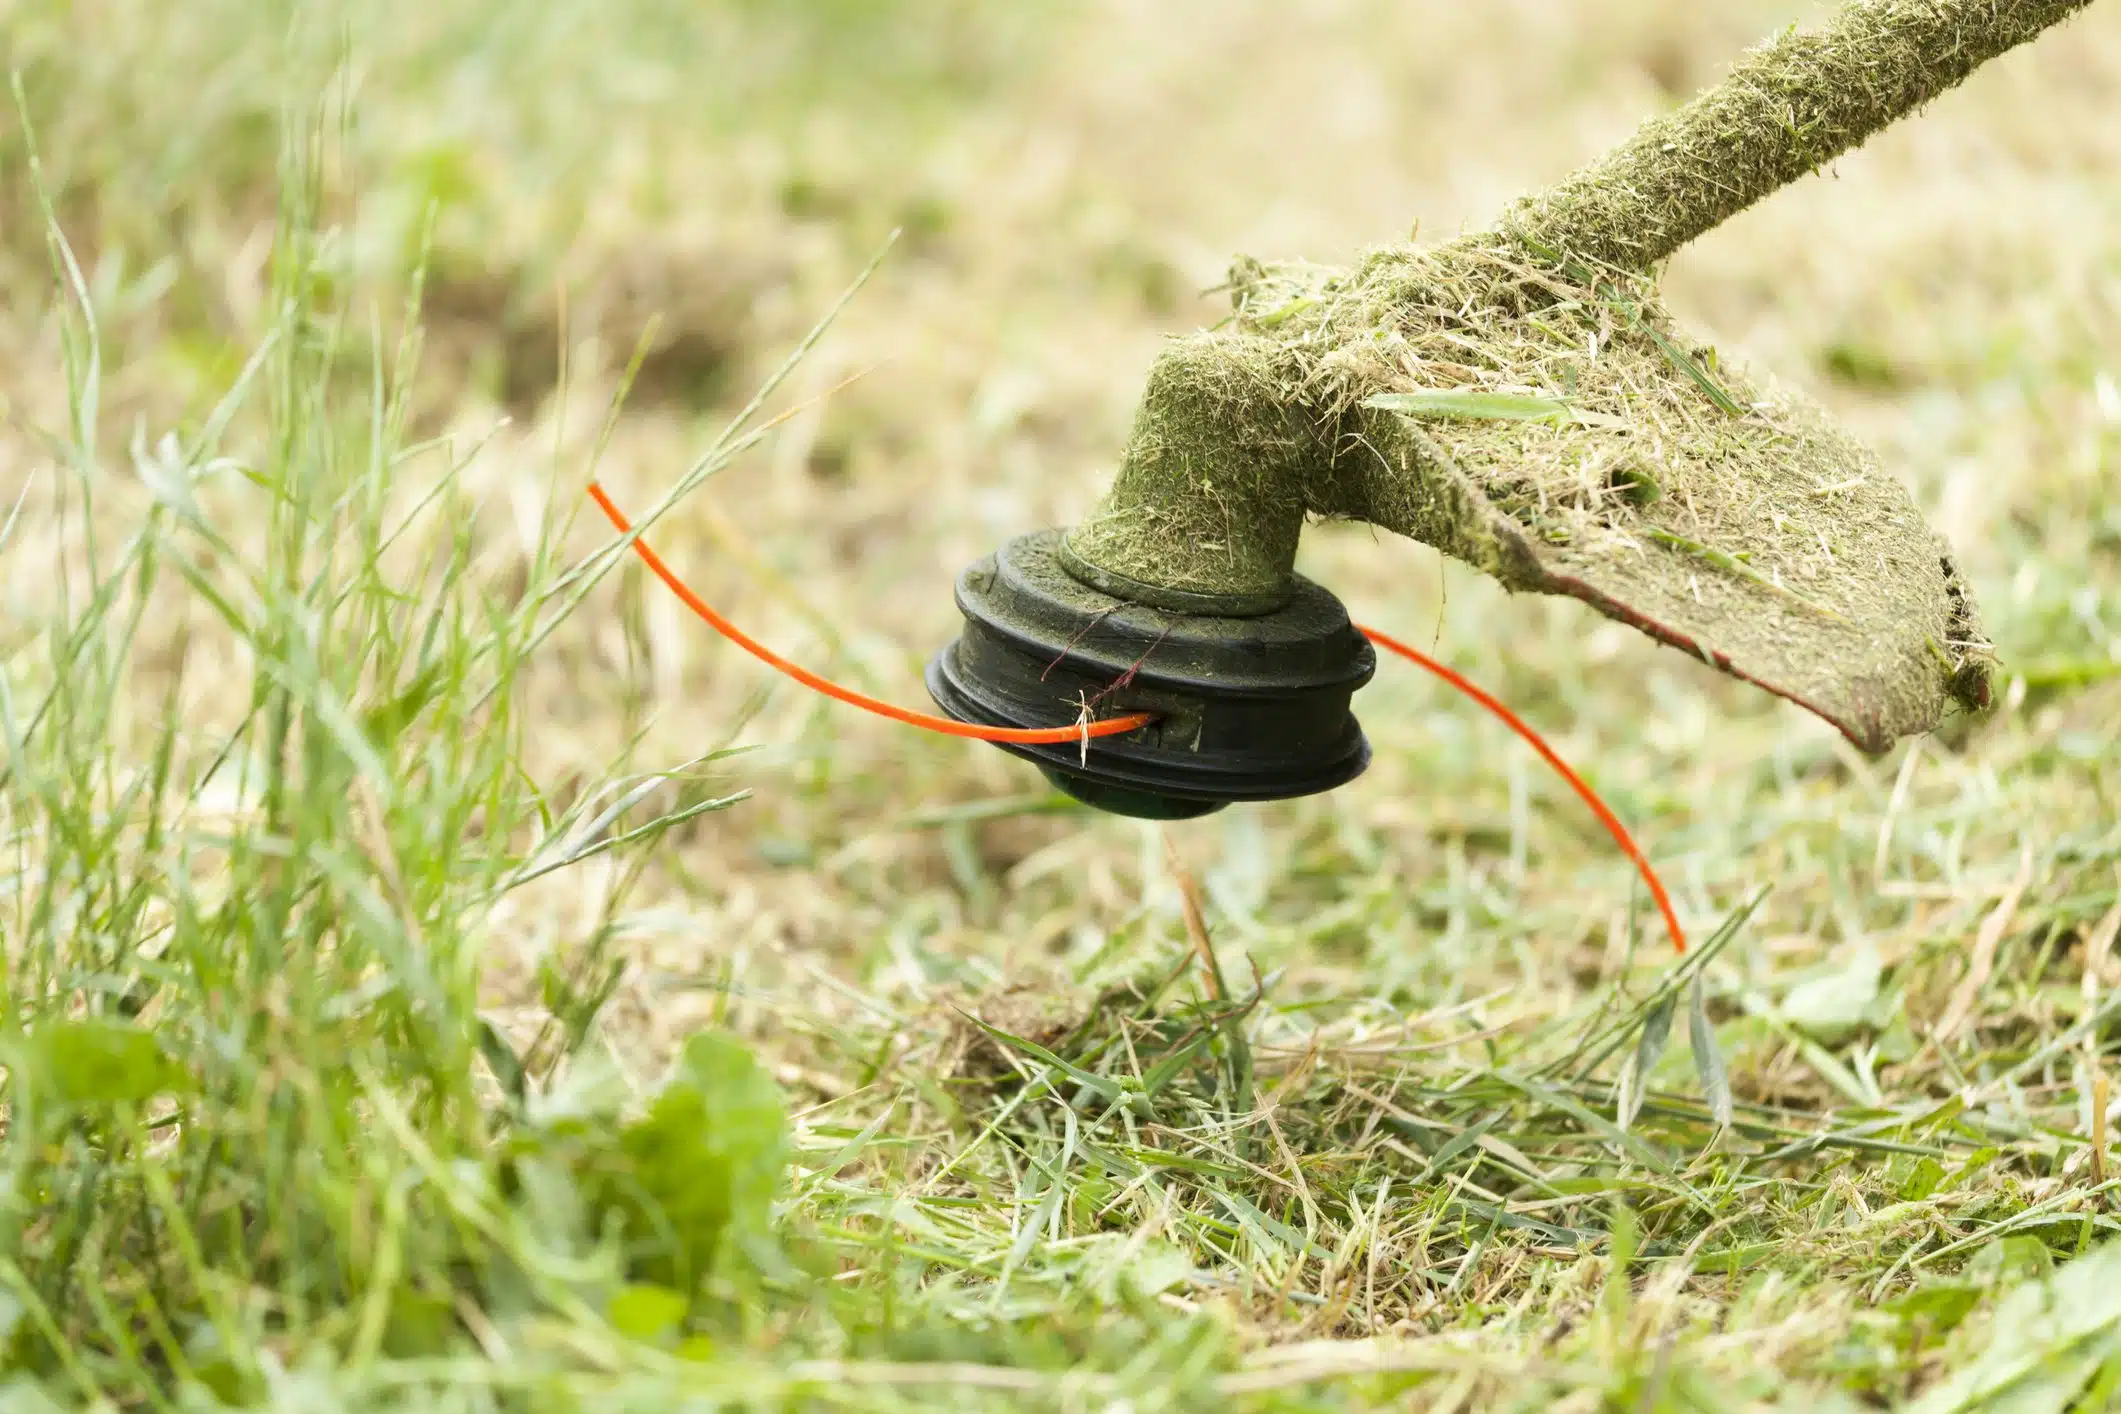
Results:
<point x="1248" y="709"/>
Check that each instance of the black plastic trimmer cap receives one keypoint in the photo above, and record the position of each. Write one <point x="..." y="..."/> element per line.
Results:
<point x="1247" y="709"/>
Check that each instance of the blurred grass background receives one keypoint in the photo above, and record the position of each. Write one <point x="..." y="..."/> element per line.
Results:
<point x="408" y="1134"/>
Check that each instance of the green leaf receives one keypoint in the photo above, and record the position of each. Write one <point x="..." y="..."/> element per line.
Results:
<point x="420" y="1325"/>
<point x="1635" y="1073"/>
<point x="649" y="1314"/>
<point x="1829" y="1008"/>
<point x="589" y="1092"/>
<point x="701" y="1169"/>
<point x="1462" y="1141"/>
<point x="96" y="1061"/>
<point x="1167" y="1069"/>
<point x="1940" y="1306"/>
<point x="1463" y="405"/>
<point x="1708" y="1061"/>
<point x="383" y="723"/>
<point x="2010" y="1261"/>
<point x="507" y="1066"/>
<point x="2047" y="1341"/>
<point x="1924" y="1178"/>
<point x="1636" y="483"/>
<point x="1687" y="364"/>
<point x="1680" y="359"/>
<point x="1975" y="1162"/>
<point x="1119" y="1266"/>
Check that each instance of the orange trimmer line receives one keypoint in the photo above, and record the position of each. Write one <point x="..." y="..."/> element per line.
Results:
<point x="1119" y="726"/>
<point x="1518" y="725"/>
<point x="1019" y="736"/>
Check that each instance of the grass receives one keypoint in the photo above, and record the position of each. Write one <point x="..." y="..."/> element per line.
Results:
<point x="438" y="977"/>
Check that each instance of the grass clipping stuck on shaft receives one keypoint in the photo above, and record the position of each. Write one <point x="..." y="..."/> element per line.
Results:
<point x="1595" y="449"/>
<point x="1521" y="399"/>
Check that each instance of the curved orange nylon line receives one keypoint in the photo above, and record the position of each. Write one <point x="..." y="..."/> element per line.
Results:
<point x="1517" y="724"/>
<point x="1020" y="736"/>
<point x="1119" y="726"/>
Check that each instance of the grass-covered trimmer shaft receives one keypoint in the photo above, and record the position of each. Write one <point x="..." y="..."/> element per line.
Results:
<point x="1520" y="399"/>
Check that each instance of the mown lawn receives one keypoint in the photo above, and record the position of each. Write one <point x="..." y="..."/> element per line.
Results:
<point x="440" y="975"/>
